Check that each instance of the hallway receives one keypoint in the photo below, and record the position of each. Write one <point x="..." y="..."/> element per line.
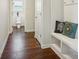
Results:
<point x="21" y="45"/>
<point x="38" y="29"/>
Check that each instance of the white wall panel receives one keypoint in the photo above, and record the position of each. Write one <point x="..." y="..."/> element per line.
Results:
<point x="4" y="23"/>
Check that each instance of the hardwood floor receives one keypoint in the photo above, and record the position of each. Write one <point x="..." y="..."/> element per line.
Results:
<point x="21" y="45"/>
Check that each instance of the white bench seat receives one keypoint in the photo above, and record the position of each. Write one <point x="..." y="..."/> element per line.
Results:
<point x="72" y="43"/>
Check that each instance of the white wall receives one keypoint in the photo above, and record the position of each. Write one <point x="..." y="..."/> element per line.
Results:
<point x="29" y="15"/>
<point x="71" y="14"/>
<point x="57" y="12"/>
<point x="46" y="41"/>
<point x="4" y="19"/>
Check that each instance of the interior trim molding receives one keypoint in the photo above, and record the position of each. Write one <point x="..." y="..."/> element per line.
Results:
<point x="30" y="30"/>
<point x="3" y="45"/>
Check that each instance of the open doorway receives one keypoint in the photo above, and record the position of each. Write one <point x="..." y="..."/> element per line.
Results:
<point x="16" y="14"/>
<point x="25" y="9"/>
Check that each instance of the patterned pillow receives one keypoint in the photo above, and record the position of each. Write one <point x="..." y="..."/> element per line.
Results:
<point x="70" y="29"/>
<point x="59" y="27"/>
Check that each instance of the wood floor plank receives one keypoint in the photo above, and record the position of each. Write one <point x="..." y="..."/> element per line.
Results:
<point x="21" y="45"/>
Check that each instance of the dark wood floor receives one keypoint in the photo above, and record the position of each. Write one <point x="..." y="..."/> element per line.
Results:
<point x="21" y="45"/>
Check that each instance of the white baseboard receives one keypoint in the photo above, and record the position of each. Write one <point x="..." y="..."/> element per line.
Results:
<point x="3" y="45"/>
<point x="57" y="50"/>
<point x="31" y="30"/>
<point x="44" y="46"/>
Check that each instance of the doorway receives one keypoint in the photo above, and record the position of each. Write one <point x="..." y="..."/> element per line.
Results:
<point x="16" y="13"/>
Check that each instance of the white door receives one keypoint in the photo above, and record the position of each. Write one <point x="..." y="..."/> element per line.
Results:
<point x="38" y="18"/>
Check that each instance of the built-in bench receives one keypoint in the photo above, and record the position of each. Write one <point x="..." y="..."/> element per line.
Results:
<point x="71" y="43"/>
